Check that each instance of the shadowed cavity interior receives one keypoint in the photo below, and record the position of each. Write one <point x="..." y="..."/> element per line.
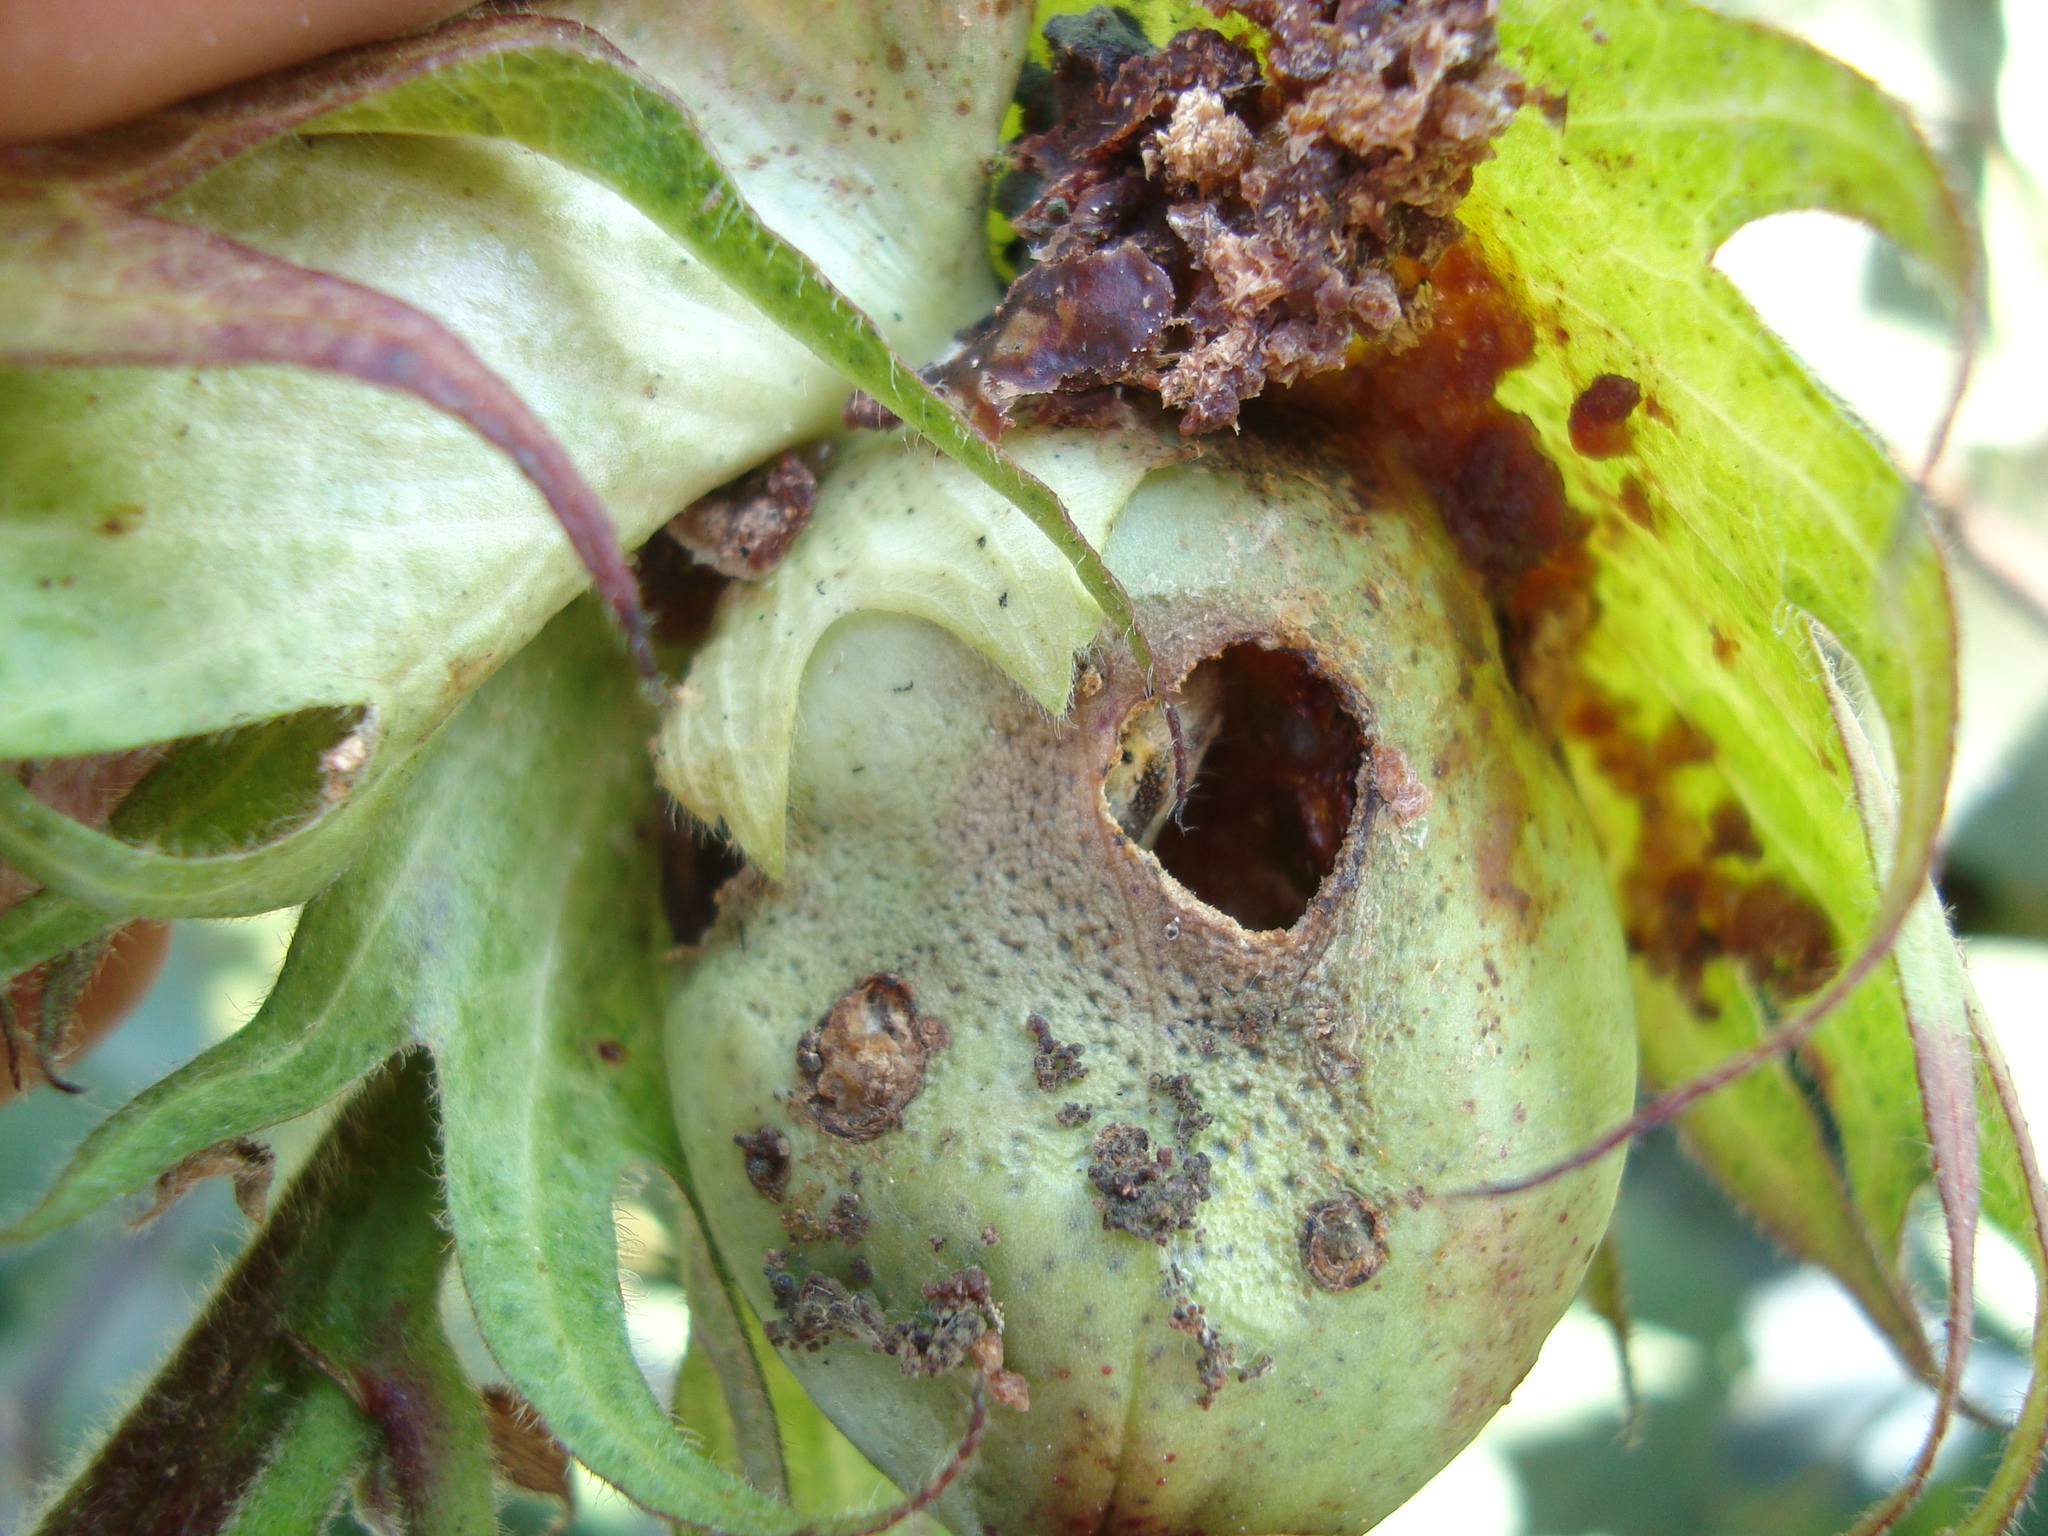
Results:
<point x="1273" y="794"/>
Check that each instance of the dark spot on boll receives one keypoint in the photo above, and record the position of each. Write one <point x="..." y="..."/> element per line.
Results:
<point x="767" y="1154"/>
<point x="1143" y="1192"/>
<point x="847" y="1222"/>
<point x="1053" y="1063"/>
<point x="1190" y="1119"/>
<point x="610" y="1050"/>
<point x="1072" y="1114"/>
<point x="1341" y="1242"/>
<point x="865" y="1060"/>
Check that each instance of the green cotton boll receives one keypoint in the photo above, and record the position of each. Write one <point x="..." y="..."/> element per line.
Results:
<point x="1223" y="1240"/>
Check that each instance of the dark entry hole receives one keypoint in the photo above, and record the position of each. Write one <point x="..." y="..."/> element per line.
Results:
<point x="694" y="865"/>
<point x="1274" y="790"/>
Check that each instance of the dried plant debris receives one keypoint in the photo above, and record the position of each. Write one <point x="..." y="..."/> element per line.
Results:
<point x="1217" y="1365"/>
<point x="247" y="1162"/>
<point x="1053" y="1064"/>
<point x="744" y="528"/>
<point x="1203" y="228"/>
<point x="767" y="1154"/>
<point x="959" y="1324"/>
<point x="865" y="1060"/>
<point x="1342" y="1244"/>
<point x="523" y="1450"/>
<point x="1143" y="1192"/>
<point x="847" y="1222"/>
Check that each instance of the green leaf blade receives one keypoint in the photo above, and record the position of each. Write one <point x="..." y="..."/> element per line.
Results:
<point x="535" y="982"/>
<point x="346" y="1271"/>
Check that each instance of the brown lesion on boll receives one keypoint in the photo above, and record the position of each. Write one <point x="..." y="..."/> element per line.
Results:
<point x="1343" y="1242"/>
<point x="767" y="1155"/>
<point x="865" y="1060"/>
<point x="1053" y="1063"/>
<point x="1189" y="1118"/>
<point x="1142" y="1191"/>
<point x="1217" y="1365"/>
<point x="1397" y="786"/>
<point x="959" y="1324"/>
<point x="847" y="1222"/>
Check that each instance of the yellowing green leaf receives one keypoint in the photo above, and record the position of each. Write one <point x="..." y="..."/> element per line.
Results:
<point x="1743" y="499"/>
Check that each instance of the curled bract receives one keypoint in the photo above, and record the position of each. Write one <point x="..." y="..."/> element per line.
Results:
<point x="897" y="530"/>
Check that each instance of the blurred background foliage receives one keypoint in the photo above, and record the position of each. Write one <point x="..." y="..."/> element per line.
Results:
<point x="1768" y="1407"/>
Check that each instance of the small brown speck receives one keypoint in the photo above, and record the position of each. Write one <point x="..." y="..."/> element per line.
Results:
<point x="990" y="1236"/>
<point x="767" y="1153"/>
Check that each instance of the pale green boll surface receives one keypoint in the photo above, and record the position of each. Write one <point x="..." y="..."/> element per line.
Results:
<point x="1452" y="1009"/>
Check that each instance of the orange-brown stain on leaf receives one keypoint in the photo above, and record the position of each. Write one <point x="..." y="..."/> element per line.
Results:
<point x="1599" y="417"/>
<point x="865" y="1060"/>
<point x="1425" y="418"/>
<point x="1692" y="894"/>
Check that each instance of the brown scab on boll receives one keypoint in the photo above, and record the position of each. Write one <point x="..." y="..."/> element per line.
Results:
<point x="959" y="1324"/>
<point x="847" y="1222"/>
<point x="1053" y="1063"/>
<point x="1405" y="796"/>
<point x="865" y="1060"/>
<point x="1143" y="1193"/>
<point x="1341" y="1242"/>
<point x="1072" y="1114"/>
<point x="743" y="529"/>
<point x="1217" y="1364"/>
<point x="767" y="1152"/>
<point x="1190" y="1119"/>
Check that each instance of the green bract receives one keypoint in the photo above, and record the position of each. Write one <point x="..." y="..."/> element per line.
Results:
<point x="321" y="399"/>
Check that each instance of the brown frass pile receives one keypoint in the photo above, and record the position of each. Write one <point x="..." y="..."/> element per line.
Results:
<point x="1201" y="227"/>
